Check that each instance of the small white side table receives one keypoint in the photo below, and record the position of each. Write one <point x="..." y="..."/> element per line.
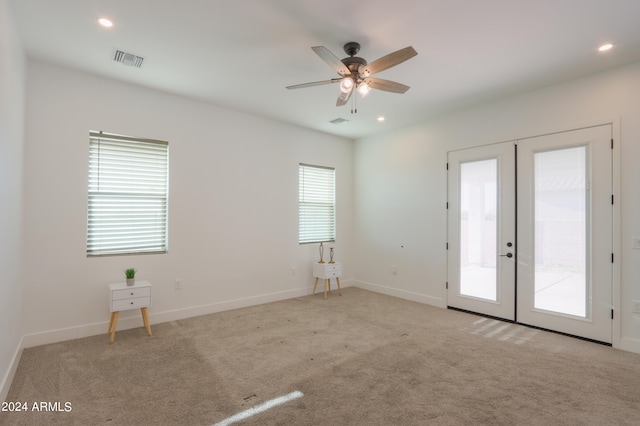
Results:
<point x="326" y="271"/>
<point x="123" y="297"/>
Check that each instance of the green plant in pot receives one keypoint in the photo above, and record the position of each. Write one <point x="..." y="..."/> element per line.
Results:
<point x="130" y="273"/>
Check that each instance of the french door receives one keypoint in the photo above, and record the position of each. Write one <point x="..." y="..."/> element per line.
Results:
<point x="530" y="231"/>
<point x="482" y="230"/>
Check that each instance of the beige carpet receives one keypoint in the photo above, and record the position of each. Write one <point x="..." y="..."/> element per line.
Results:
<point x="359" y="359"/>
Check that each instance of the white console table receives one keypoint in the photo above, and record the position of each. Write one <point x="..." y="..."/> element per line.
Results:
<point x="326" y="271"/>
<point x="123" y="297"/>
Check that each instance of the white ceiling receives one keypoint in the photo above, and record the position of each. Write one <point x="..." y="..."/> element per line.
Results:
<point x="241" y="54"/>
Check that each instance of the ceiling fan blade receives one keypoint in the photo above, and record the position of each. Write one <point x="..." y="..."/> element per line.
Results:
<point x="331" y="59"/>
<point x="344" y="97"/>
<point x="386" y="85"/>
<point x="388" y="61"/>
<point x="314" y="83"/>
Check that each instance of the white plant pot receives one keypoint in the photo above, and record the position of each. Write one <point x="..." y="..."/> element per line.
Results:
<point x="131" y="281"/>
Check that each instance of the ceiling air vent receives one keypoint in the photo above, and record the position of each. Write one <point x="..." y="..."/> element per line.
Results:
<point x="128" y="58"/>
<point x="338" y="121"/>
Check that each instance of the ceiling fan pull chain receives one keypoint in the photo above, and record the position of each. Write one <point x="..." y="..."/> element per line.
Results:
<point x="354" y="106"/>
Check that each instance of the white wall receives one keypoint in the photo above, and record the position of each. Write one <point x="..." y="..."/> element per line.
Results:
<point x="400" y="184"/>
<point x="233" y="204"/>
<point x="11" y="145"/>
<point x="233" y="194"/>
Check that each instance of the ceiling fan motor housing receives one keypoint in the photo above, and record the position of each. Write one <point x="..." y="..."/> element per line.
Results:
<point x="353" y="63"/>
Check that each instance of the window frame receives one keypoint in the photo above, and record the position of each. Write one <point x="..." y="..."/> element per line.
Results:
<point x="316" y="192"/>
<point x="127" y="195"/>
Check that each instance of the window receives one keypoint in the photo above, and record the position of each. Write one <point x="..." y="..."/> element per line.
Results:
<point x="128" y="195"/>
<point x="317" y="209"/>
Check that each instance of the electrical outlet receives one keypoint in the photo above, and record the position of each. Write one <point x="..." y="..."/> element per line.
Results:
<point x="178" y="284"/>
<point x="636" y="306"/>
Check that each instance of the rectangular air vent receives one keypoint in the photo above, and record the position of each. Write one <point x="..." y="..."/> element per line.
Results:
<point x="128" y="58"/>
<point x="338" y="121"/>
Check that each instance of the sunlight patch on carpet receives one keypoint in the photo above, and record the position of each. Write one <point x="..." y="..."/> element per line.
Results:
<point x="260" y="408"/>
<point x="502" y="331"/>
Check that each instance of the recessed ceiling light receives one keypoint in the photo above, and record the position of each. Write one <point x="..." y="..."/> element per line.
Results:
<point x="605" y="47"/>
<point x="105" y="22"/>
<point x="380" y="119"/>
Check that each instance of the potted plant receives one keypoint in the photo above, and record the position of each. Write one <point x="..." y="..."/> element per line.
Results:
<point x="130" y="273"/>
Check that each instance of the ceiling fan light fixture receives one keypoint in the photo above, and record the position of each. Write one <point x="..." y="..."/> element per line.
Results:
<point x="346" y="85"/>
<point x="363" y="89"/>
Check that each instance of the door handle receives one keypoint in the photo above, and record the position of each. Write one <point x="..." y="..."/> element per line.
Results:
<point x="509" y="255"/>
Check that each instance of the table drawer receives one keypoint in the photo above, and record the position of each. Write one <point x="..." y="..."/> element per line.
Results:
<point x="129" y="293"/>
<point x="325" y="270"/>
<point x="131" y="303"/>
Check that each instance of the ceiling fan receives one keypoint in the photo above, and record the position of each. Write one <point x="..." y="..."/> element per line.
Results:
<point x="355" y="72"/>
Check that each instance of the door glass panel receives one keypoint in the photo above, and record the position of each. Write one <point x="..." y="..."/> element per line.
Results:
<point x="478" y="231"/>
<point x="560" y="201"/>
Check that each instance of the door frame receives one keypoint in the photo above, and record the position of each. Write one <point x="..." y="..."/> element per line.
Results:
<point x="616" y="297"/>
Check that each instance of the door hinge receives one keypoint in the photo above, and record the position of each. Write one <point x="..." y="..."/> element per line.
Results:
<point x="612" y="314"/>
<point x="447" y="246"/>
<point x="447" y="205"/>
<point x="611" y="143"/>
<point x="611" y="199"/>
<point x="612" y="258"/>
<point x="447" y="285"/>
<point x="447" y="166"/>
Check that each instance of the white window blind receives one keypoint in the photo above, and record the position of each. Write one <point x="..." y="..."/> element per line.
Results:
<point x="317" y="210"/>
<point x="128" y="195"/>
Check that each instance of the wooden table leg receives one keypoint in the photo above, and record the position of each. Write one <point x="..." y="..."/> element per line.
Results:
<point x="339" y="289"/>
<point x="113" y="314"/>
<point x="314" y="286"/>
<point x="114" y="324"/>
<point x="326" y="285"/>
<point x="145" y="320"/>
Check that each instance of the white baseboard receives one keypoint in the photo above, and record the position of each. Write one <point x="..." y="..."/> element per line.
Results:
<point x="630" y="345"/>
<point x="133" y="318"/>
<point x="11" y="371"/>
<point x="228" y="305"/>
<point x="403" y="294"/>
